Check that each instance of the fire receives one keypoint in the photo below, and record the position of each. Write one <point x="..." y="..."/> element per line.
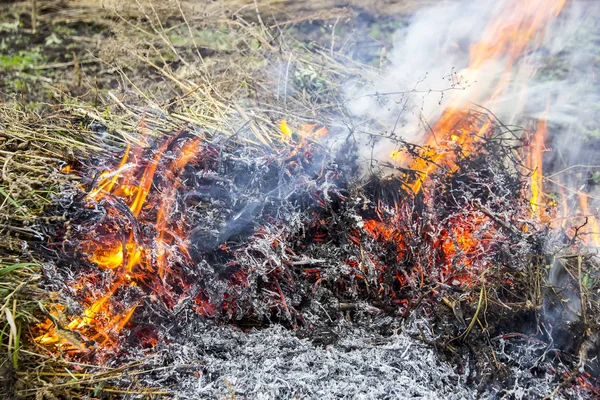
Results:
<point x="516" y="28"/>
<point x="286" y="131"/>
<point x="535" y="164"/>
<point x="144" y="192"/>
<point x="125" y="257"/>
<point x="305" y="132"/>
<point x="513" y="31"/>
<point x="96" y="323"/>
<point x="457" y="127"/>
<point x="105" y="185"/>
<point x="590" y="227"/>
<point x="586" y="221"/>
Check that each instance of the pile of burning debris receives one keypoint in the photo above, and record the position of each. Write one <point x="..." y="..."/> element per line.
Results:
<point x="190" y="228"/>
<point x="209" y="252"/>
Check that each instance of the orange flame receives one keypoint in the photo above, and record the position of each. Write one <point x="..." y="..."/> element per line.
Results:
<point x="510" y="33"/>
<point x="535" y="165"/>
<point x="126" y="260"/>
<point x="591" y="228"/>
<point x="506" y="38"/>
<point x="188" y="153"/>
<point x="512" y="29"/>
<point x="307" y="131"/>
<point x="105" y="185"/>
<point x="515" y="29"/>
<point x="101" y="320"/>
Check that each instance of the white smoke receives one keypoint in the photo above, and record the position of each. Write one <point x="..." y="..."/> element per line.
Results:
<point x="427" y="67"/>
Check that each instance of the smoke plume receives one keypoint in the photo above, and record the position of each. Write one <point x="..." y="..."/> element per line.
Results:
<point x="429" y="70"/>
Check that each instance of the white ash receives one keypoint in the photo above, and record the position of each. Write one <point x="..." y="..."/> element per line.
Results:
<point x="273" y="363"/>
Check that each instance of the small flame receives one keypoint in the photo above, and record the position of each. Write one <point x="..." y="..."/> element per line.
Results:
<point x="105" y="185"/>
<point x="307" y="131"/>
<point x="286" y="131"/>
<point x="591" y="229"/>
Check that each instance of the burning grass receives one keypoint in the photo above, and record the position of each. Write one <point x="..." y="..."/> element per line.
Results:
<point x="238" y="233"/>
<point x="41" y="151"/>
<point x="217" y="192"/>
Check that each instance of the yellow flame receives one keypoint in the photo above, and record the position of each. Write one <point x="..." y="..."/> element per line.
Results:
<point x="105" y="184"/>
<point x="286" y="131"/>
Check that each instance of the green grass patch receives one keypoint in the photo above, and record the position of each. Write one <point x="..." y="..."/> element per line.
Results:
<point x="23" y="59"/>
<point x="9" y="268"/>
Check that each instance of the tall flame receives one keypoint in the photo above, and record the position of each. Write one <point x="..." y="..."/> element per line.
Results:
<point x="535" y="165"/>
<point x="515" y="29"/>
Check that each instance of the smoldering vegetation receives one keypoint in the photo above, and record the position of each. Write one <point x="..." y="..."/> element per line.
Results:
<point x="183" y="242"/>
